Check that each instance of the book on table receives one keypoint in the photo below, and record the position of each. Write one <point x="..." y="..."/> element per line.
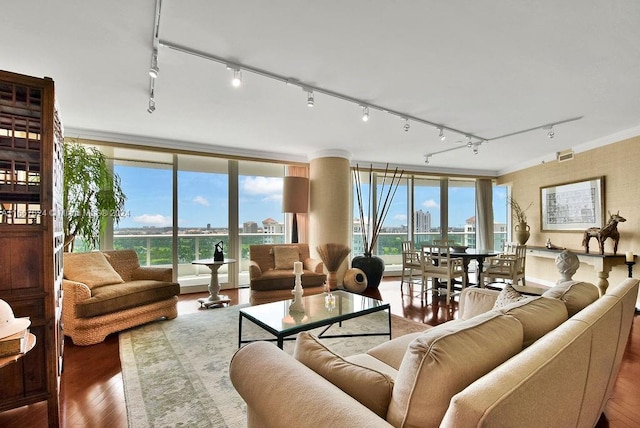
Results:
<point x="14" y="344"/>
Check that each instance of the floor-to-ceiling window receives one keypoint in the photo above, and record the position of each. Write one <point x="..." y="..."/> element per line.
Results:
<point x="426" y="210"/>
<point x="500" y="216"/>
<point x="203" y="220"/>
<point x="462" y="212"/>
<point x="434" y="208"/>
<point x="260" y="216"/>
<point x="239" y="203"/>
<point x="146" y="179"/>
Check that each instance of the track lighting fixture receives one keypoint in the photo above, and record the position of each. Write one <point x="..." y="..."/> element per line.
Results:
<point x="551" y="134"/>
<point x="152" y="100"/>
<point x="475" y="149"/>
<point x="427" y="159"/>
<point x="237" y="78"/>
<point x="472" y="139"/>
<point x="365" y="113"/>
<point x="152" y="105"/>
<point x="154" y="70"/>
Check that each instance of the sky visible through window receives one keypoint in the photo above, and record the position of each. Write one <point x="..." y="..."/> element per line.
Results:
<point x="203" y="200"/>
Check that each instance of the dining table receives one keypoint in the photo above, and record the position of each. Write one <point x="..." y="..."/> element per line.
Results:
<point x="474" y="254"/>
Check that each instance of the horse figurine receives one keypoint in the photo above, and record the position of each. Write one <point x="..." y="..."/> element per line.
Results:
<point x="601" y="235"/>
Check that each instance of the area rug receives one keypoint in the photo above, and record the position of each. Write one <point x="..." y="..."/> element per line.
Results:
<point x="176" y="372"/>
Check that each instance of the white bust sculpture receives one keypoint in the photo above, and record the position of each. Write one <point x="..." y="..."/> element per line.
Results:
<point x="567" y="264"/>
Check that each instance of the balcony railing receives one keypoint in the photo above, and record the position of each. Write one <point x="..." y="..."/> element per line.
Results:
<point x="156" y="250"/>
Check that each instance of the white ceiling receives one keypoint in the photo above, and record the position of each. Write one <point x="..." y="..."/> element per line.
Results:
<point x="488" y="68"/>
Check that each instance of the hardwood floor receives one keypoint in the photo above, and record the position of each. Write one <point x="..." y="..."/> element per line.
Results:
<point x="92" y="394"/>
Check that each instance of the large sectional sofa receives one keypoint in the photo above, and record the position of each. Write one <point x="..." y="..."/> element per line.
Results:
<point x="508" y="361"/>
<point x="108" y="291"/>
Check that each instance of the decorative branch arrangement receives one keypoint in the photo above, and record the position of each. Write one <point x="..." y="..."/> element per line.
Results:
<point x="518" y="211"/>
<point x="371" y="230"/>
<point x="332" y="255"/>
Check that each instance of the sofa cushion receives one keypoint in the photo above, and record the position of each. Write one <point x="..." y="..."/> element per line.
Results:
<point x="370" y="387"/>
<point x="125" y="262"/>
<point x="91" y="269"/>
<point x="506" y="296"/>
<point x="116" y="297"/>
<point x="392" y="352"/>
<point x="284" y="257"/>
<point x="538" y="316"/>
<point x="576" y="295"/>
<point x="442" y="362"/>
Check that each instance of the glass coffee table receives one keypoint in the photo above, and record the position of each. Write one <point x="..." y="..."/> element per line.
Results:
<point x="319" y="311"/>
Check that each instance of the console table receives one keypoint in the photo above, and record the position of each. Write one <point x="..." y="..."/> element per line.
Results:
<point x="602" y="264"/>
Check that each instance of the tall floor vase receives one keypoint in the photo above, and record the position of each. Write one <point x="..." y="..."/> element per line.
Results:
<point x="372" y="266"/>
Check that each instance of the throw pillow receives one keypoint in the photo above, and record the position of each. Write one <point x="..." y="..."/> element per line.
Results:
<point x="91" y="269"/>
<point x="370" y="387"/>
<point x="576" y="295"/>
<point x="506" y="296"/>
<point x="285" y="256"/>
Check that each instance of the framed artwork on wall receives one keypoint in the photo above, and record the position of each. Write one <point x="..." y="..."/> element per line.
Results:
<point x="573" y="206"/>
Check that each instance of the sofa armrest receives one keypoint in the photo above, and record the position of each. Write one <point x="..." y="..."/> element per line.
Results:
<point x="254" y="270"/>
<point x="75" y="291"/>
<point x="280" y="391"/>
<point x="154" y="273"/>
<point x="314" y="265"/>
<point x="474" y="301"/>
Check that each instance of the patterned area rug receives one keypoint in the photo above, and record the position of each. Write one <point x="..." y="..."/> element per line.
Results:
<point x="176" y="372"/>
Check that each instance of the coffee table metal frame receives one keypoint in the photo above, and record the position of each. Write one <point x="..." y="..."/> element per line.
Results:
<point x="326" y="319"/>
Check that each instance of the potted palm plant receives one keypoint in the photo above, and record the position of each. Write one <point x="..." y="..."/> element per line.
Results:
<point x="91" y="194"/>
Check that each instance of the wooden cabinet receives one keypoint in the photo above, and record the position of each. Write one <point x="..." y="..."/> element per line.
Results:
<point x="31" y="236"/>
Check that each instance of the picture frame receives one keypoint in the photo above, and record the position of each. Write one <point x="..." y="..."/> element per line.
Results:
<point x="573" y="206"/>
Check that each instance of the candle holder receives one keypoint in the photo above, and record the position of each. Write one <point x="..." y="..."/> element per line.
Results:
<point x="630" y="267"/>
<point x="297" y="305"/>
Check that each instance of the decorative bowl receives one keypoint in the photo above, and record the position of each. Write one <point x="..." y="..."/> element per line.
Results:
<point x="459" y="248"/>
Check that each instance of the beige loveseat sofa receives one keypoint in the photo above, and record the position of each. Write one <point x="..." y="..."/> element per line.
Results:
<point x="106" y="292"/>
<point x="539" y="362"/>
<point x="271" y="271"/>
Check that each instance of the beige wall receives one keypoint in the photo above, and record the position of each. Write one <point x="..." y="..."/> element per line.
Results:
<point x="619" y="164"/>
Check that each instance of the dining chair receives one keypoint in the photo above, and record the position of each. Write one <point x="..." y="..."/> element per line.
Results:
<point x="509" y="266"/>
<point x="443" y="242"/>
<point x="438" y="265"/>
<point x="410" y="263"/>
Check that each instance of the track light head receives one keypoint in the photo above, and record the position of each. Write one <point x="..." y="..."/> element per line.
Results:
<point x="551" y="134"/>
<point x="469" y="143"/>
<point x="237" y="78"/>
<point x="152" y="106"/>
<point x="310" y="100"/>
<point x="475" y="149"/>
<point x="406" y="125"/>
<point x="154" y="70"/>
<point x="365" y="113"/>
<point x="441" y="134"/>
<point x="427" y="159"/>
